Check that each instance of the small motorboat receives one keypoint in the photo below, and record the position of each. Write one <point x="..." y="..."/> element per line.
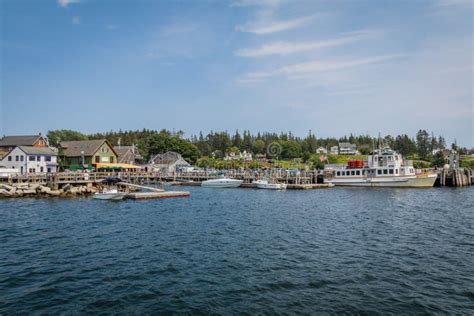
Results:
<point x="265" y="184"/>
<point x="109" y="194"/>
<point x="222" y="183"/>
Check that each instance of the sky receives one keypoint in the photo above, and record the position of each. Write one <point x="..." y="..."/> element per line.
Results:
<point x="332" y="67"/>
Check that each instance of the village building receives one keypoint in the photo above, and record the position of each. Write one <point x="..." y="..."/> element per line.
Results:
<point x="168" y="163"/>
<point x="29" y="159"/>
<point x="87" y="154"/>
<point x="245" y="156"/>
<point x="128" y="154"/>
<point x="8" y="143"/>
<point x="348" y="149"/>
<point x="321" y="150"/>
<point x="334" y="150"/>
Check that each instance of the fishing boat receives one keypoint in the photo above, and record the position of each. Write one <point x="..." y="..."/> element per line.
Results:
<point x="383" y="168"/>
<point x="265" y="184"/>
<point x="222" y="183"/>
<point x="109" y="194"/>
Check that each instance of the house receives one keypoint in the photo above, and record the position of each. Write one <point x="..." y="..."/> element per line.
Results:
<point x="168" y="163"/>
<point x="348" y="149"/>
<point x="87" y="154"/>
<point x="30" y="159"/>
<point x="241" y="156"/>
<point x="8" y="143"/>
<point x="334" y="150"/>
<point x="128" y="154"/>
<point x="321" y="150"/>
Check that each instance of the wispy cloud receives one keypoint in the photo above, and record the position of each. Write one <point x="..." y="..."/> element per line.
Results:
<point x="302" y="70"/>
<point x="454" y="3"/>
<point x="276" y="26"/>
<point x="249" y="3"/>
<point x="76" y="20"/>
<point x="65" y="3"/>
<point x="285" y="48"/>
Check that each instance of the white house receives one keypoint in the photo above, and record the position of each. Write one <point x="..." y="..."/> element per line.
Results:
<point x="335" y="150"/>
<point x="321" y="150"/>
<point x="29" y="159"/>
<point x="241" y="156"/>
<point x="348" y="149"/>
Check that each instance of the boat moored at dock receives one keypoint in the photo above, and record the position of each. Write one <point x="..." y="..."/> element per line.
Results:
<point x="222" y="183"/>
<point x="265" y="184"/>
<point x="382" y="168"/>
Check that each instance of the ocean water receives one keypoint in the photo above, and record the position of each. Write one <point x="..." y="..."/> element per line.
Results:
<point x="242" y="251"/>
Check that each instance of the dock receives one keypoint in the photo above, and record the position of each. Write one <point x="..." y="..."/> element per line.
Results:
<point x="156" y="195"/>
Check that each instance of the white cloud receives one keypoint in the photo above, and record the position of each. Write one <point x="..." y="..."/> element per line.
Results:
<point x="302" y="70"/>
<point x="285" y="48"/>
<point x="65" y="3"/>
<point x="111" y="27"/>
<point x="76" y="20"/>
<point x="454" y="3"/>
<point x="276" y="26"/>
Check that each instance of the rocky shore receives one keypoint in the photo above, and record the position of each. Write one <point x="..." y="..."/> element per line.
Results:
<point x="38" y="190"/>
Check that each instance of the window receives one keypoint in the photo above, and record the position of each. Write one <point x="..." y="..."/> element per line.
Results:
<point x="47" y="158"/>
<point x="343" y="173"/>
<point x="97" y="159"/>
<point x="358" y="172"/>
<point x="390" y="171"/>
<point x="17" y="158"/>
<point x="49" y="170"/>
<point x="385" y="171"/>
<point x="111" y="159"/>
<point x="396" y="171"/>
<point x="353" y="173"/>
<point x="22" y="158"/>
<point x="41" y="169"/>
<point x="363" y="172"/>
<point x="9" y="158"/>
<point x="38" y="158"/>
<point x="379" y="171"/>
<point x="30" y="170"/>
<point x="338" y="173"/>
<point x="31" y="158"/>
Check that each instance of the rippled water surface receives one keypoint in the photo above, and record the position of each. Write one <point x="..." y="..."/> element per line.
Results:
<point x="241" y="251"/>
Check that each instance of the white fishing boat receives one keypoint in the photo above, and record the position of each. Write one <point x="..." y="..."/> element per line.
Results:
<point x="265" y="184"/>
<point x="109" y="194"/>
<point x="382" y="168"/>
<point x="222" y="183"/>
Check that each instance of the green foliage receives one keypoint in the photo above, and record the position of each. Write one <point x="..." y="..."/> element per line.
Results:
<point x="57" y="136"/>
<point x="438" y="160"/>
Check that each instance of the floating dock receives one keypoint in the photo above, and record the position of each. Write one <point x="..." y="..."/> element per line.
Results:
<point x="156" y="195"/>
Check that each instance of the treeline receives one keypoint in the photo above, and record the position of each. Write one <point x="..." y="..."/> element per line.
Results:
<point x="273" y="145"/>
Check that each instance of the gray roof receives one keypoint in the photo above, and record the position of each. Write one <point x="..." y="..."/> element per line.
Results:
<point x="31" y="150"/>
<point x="347" y="145"/>
<point x="168" y="158"/>
<point x="125" y="151"/>
<point x="89" y="147"/>
<point x="23" y="140"/>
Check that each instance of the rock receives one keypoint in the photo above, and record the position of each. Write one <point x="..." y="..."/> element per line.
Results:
<point x="66" y="187"/>
<point x="45" y="190"/>
<point x="29" y="192"/>
<point x="33" y="186"/>
<point x="54" y="192"/>
<point x="6" y="187"/>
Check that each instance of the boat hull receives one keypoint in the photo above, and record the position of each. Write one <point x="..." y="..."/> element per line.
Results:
<point x="109" y="196"/>
<point x="422" y="181"/>
<point x="271" y="186"/>
<point x="222" y="183"/>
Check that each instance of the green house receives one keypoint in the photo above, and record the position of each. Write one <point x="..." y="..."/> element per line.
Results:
<point x="86" y="154"/>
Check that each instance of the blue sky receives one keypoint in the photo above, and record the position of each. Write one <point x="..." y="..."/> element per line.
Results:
<point x="335" y="67"/>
